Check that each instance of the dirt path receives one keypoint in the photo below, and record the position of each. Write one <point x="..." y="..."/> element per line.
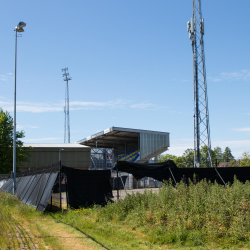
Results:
<point x="61" y="236"/>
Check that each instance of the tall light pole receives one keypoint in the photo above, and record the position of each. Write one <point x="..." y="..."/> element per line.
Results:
<point x="18" y="28"/>
<point x="60" y="153"/>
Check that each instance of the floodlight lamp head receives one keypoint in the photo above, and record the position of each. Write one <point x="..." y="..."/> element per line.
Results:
<point x="21" y="24"/>
<point x="18" y="29"/>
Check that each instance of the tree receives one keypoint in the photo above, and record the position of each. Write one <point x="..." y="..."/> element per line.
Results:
<point x="6" y="144"/>
<point x="217" y="154"/>
<point x="178" y="160"/>
<point x="189" y="158"/>
<point x="227" y="155"/>
<point x="245" y="160"/>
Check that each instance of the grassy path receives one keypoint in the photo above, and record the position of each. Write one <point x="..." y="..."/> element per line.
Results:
<point x="61" y="236"/>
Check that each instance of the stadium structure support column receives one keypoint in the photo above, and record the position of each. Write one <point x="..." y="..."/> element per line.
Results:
<point x="201" y="114"/>
<point x="60" y="186"/>
<point x="117" y="179"/>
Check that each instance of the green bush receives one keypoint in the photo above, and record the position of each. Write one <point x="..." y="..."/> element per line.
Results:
<point x="191" y="215"/>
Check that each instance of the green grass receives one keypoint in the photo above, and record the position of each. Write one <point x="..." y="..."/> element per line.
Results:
<point x="12" y="214"/>
<point x="199" y="215"/>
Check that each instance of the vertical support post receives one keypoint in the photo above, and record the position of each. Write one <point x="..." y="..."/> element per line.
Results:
<point x="14" y="127"/>
<point x="113" y="155"/>
<point x="117" y="178"/>
<point x="60" y="190"/>
<point x="51" y="203"/>
<point x="52" y="192"/>
<point x="125" y="147"/>
<point x="216" y="163"/>
<point x="67" y="195"/>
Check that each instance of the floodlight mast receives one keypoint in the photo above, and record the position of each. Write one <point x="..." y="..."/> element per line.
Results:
<point x="66" y="107"/>
<point x="201" y="113"/>
<point x="18" y="28"/>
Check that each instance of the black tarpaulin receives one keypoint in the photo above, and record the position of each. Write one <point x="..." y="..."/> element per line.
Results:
<point x="165" y="171"/>
<point x="87" y="187"/>
<point x="158" y="171"/>
<point x="34" y="190"/>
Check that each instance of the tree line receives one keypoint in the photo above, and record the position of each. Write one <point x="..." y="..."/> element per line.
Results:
<point x="218" y="156"/>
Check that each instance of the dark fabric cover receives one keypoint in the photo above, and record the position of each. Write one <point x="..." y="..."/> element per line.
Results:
<point x="87" y="187"/>
<point x="34" y="190"/>
<point x="158" y="171"/>
<point x="115" y="184"/>
<point x="163" y="172"/>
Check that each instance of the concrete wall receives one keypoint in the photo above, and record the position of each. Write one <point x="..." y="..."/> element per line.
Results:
<point x="75" y="157"/>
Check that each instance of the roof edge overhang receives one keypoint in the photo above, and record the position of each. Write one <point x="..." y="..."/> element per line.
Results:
<point x="119" y="129"/>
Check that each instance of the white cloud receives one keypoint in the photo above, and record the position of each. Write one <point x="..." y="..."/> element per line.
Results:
<point x="146" y="106"/>
<point x="25" y="126"/>
<point x="32" y="107"/>
<point x="75" y="105"/>
<point x="42" y="139"/>
<point x="242" y="129"/>
<point x="30" y="126"/>
<point x="6" y="77"/>
<point x="242" y="75"/>
<point x="177" y="147"/>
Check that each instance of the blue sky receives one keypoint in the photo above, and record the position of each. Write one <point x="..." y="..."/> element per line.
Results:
<point x="131" y="66"/>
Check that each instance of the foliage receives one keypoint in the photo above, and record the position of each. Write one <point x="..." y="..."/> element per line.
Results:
<point x="187" y="159"/>
<point x="183" y="215"/>
<point x="6" y="144"/>
<point x="227" y="155"/>
<point x="217" y="154"/>
<point x="245" y="160"/>
<point x="13" y="216"/>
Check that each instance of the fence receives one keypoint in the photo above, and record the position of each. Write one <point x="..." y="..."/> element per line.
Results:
<point x="89" y="185"/>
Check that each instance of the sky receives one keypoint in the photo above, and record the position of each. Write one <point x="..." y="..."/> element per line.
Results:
<point x="131" y="65"/>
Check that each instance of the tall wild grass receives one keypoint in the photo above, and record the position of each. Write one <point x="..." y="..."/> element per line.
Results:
<point x="194" y="214"/>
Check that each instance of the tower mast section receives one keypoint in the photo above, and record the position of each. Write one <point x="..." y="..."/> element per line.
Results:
<point x="66" y="107"/>
<point x="201" y="113"/>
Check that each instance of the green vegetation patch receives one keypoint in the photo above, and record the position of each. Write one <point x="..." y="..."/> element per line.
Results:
<point x="194" y="215"/>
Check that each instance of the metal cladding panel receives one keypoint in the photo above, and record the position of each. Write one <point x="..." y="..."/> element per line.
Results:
<point x="26" y="199"/>
<point x="151" y="143"/>
<point x="26" y="186"/>
<point x="8" y="186"/>
<point x="34" y="190"/>
<point x="47" y="192"/>
<point x="22" y="185"/>
<point x="33" y="198"/>
<point x="2" y="182"/>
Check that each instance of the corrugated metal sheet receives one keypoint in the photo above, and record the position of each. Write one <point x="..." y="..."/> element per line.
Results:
<point x="34" y="190"/>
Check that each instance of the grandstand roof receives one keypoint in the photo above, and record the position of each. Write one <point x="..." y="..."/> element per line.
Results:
<point x="116" y="136"/>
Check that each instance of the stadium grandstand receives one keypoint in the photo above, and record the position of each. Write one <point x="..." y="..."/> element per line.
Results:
<point x="124" y="144"/>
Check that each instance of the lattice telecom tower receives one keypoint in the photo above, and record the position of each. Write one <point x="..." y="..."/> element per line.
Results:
<point x="201" y="115"/>
<point x="66" y="107"/>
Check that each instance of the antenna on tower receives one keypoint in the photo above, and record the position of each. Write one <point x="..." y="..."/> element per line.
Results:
<point x="66" y="107"/>
<point x="201" y="114"/>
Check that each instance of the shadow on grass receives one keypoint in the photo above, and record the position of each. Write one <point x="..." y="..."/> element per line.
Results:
<point x="88" y="236"/>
